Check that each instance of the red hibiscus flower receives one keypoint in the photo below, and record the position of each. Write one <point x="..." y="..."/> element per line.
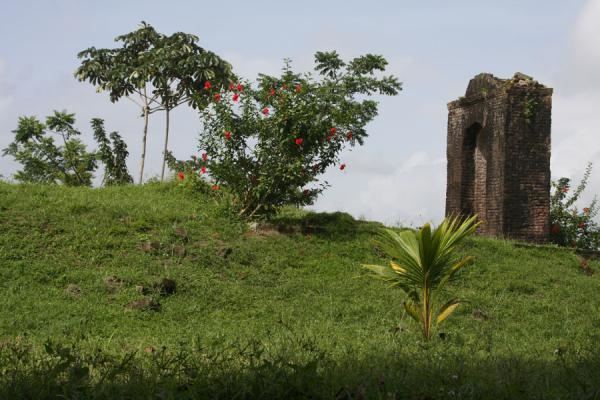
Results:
<point x="342" y="167"/>
<point x="265" y="111"/>
<point x="215" y="187"/>
<point x="272" y="92"/>
<point x="227" y="135"/>
<point x="332" y="131"/>
<point x="180" y="176"/>
<point x="299" y="141"/>
<point x="203" y="169"/>
<point x="236" y="97"/>
<point x="298" y="88"/>
<point x="217" y="97"/>
<point x="204" y="156"/>
<point x="240" y="87"/>
<point x="207" y="85"/>
<point x="349" y="135"/>
<point x="231" y="86"/>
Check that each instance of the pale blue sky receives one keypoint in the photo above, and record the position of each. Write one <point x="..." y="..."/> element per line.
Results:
<point x="434" y="47"/>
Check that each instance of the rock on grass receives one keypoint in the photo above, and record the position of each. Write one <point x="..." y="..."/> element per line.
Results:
<point x="145" y="304"/>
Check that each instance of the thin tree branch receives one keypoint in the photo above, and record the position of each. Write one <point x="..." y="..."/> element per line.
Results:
<point x="148" y="99"/>
<point x="138" y="104"/>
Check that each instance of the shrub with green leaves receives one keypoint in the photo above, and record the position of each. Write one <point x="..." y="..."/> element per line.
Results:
<point x="570" y="226"/>
<point x="113" y="155"/>
<point x="269" y="144"/>
<point x="70" y="164"/>
<point x="45" y="161"/>
<point x="189" y="173"/>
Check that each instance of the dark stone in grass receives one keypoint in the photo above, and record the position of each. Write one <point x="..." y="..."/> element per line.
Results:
<point x="201" y="244"/>
<point x="397" y="329"/>
<point x="166" y="287"/>
<point x="150" y="246"/>
<point x="145" y="304"/>
<point x="143" y="290"/>
<point x="480" y="314"/>
<point x="351" y="393"/>
<point x="73" y="290"/>
<point x="113" y="283"/>
<point x="179" y="251"/>
<point x="262" y="230"/>
<point x="181" y="232"/>
<point x="224" y="251"/>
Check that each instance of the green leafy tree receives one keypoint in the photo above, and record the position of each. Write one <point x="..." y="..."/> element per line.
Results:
<point x="269" y="144"/>
<point x="568" y="225"/>
<point x="182" y="70"/>
<point x="423" y="262"/>
<point x="45" y="161"/>
<point x="154" y="71"/>
<point x="125" y="72"/>
<point x="113" y="155"/>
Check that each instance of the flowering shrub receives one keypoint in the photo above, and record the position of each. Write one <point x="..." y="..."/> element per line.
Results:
<point x="189" y="173"/>
<point x="568" y="225"/>
<point x="269" y="144"/>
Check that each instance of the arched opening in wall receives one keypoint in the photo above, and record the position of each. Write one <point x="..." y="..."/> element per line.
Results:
<point x="480" y="185"/>
<point x="474" y="172"/>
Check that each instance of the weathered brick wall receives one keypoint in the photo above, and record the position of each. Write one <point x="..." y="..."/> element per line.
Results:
<point x="498" y="154"/>
<point x="527" y="181"/>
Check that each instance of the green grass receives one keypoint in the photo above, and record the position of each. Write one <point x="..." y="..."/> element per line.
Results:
<point x="270" y="315"/>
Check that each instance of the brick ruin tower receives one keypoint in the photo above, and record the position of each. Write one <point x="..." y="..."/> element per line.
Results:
<point x="499" y="156"/>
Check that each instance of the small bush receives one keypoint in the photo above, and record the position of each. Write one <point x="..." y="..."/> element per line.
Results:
<point x="70" y="164"/>
<point x="570" y="226"/>
<point x="46" y="162"/>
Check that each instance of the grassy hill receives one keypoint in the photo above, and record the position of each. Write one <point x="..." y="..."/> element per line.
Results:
<point x="88" y="307"/>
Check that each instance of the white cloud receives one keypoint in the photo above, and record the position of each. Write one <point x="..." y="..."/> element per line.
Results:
<point x="576" y="132"/>
<point x="408" y="192"/>
<point x="576" y="120"/>
<point x="586" y="51"/>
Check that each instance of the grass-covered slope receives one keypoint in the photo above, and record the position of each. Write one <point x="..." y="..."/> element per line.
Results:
<point x="267" y="314"/>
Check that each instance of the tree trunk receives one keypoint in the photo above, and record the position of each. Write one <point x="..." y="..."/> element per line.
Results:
<point x="143" y="157"/>
<point x="162" y="173"/>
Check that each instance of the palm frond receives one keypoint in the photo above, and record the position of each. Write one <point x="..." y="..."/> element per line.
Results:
<point x="422" y="263"/>
<point x="413" y="310"/>
<point x="446" y="310"/>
